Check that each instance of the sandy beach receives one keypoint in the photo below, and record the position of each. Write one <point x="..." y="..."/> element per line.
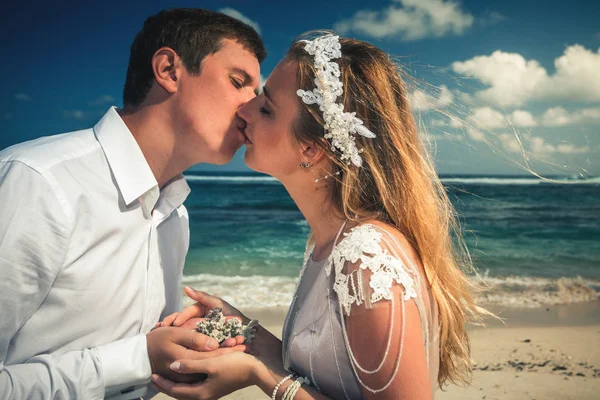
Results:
<point x="538" y="353"/>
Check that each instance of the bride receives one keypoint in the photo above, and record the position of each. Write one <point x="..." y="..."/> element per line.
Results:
<point x="381" y="305"/>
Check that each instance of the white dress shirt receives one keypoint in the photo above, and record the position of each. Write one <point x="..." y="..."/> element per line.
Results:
<point x="91" y="257"/>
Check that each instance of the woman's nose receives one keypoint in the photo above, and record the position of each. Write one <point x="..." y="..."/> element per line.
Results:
<point x="240" y="123"/>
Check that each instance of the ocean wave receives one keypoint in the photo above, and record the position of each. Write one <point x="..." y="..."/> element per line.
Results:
<point x="246" y="291"/>
<point x="511" y="291"/>
<point x="521" y="291"/>
<point x="284" y="205"/>
<point x="520" y="181"/>
<point x="231" y="179"/>
<point x="480" y="180"/>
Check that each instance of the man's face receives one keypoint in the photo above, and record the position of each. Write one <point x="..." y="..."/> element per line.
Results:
<point x="206" y="104"/>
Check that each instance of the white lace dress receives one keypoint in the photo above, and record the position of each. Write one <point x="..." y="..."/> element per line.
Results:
<point x="314" y="335"/>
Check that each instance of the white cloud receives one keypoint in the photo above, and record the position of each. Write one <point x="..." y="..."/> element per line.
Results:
<point x="577" y="76"/>
<point x="558" y="116"/>
<point x="485" y="119"/>
<point x="102" y="100"/>
<point x="475" y="134"/>
<point x="410" y="20"/>
<point x="566" y="148"/>
<point x="452" y="137"/>
<point x="74" y="114"/>
<point x="422" y="101"/>
<point x="522" y="119"/>
<point x="450" y="121"/>
<point x="513" y="80"/>
<point x="486" y="124"/>
<point x="510" y="142"/>
<point x="488" y="118"/>
<point x="538" y="145"/>
<point x="22" y="97"/>
<point x="238" y="15"/>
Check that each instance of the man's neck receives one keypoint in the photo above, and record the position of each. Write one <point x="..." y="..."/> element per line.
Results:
<point x="151" y="128"/>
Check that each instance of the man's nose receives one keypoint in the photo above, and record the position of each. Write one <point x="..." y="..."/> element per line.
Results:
<point x="243" y="113"/>
<point x="250" y="94"/>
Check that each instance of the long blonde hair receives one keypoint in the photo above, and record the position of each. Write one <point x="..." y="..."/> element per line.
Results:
<point x="397" y="184"/>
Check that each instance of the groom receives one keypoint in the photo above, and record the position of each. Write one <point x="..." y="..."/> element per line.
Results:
<point x="93" y="231"/>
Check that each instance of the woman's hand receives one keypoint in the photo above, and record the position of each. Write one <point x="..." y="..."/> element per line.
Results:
<point x="226" y="374"/>
<point x="190" y="316"/>
<point x="204" y="303"/>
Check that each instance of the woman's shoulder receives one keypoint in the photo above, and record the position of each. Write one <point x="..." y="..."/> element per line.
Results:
<point x="376" y="237"/>
<point x="373" y="249"/>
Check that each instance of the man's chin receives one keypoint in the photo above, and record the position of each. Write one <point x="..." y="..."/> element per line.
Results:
<point x="222" y="160"/>
<point x="224" y="154"/>
<point x="249" y="162"/>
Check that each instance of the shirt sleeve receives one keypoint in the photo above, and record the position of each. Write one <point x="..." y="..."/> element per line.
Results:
<point x="34" y="239"/>
<point x="125" y="366"/>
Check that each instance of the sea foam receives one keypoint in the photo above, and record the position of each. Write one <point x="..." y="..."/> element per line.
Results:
<point x="512" y="291"/>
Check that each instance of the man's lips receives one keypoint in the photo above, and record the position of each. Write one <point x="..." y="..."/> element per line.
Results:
<point x="246" y="138"/>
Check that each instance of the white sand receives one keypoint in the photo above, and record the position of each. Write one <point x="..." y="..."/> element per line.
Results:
<point x="547" y="353"/>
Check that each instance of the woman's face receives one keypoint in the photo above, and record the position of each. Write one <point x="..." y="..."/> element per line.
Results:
<point x="270" y="145"/>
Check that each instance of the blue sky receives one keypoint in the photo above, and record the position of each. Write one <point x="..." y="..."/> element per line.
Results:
<point x="497" y="84"/>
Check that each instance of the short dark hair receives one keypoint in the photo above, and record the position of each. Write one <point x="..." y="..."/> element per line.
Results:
<point x="193" y="33"/>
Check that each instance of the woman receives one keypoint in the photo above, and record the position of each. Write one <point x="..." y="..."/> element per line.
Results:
<point x="381" y="305"/>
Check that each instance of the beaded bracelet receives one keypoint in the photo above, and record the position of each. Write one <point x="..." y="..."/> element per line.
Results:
<point x="291" y="390"/>
<point x="281" y="382"/>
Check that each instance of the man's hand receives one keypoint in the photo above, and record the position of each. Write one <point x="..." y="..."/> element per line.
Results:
<point x="168" y="344"/>
<point x="190" y="316"/>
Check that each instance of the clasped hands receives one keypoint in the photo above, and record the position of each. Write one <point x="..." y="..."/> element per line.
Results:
<point x="189" y="365"/>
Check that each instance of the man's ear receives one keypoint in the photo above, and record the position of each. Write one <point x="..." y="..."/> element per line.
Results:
<point x="166" y="66"/>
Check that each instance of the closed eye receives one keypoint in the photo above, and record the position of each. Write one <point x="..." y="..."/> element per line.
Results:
<point x="237" y="83"/>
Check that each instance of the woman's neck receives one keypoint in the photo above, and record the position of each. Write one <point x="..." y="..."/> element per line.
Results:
<point x="325" y="221"/>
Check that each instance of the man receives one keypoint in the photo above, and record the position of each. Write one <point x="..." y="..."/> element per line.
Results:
<point x="93" y="231"/>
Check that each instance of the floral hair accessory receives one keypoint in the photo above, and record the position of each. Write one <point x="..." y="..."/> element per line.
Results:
<point x="340" y="126"/>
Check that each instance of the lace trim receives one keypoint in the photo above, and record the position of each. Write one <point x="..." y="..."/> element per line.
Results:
<point x="363" y="243"/>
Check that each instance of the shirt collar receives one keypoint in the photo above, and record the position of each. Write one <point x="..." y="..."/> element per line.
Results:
<point x="130" y="169"/>
<point x="172" y="195"/>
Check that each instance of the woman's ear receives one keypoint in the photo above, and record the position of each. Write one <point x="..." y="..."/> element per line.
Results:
<point x="166" y="66"/>
<point x="312" y="153"/>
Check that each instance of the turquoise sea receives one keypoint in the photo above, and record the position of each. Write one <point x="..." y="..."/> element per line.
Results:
<point x="534" y="243"/>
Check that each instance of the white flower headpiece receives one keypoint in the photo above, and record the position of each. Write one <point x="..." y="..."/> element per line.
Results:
<point x="340" y="126"/>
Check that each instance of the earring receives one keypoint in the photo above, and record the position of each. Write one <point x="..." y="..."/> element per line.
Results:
<point x="305" y="165"/>
<point x="327" y="176"/>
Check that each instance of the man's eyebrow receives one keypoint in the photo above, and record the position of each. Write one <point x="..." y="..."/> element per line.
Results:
<point x="248" y="80"/>
<point x="266" y="92"/>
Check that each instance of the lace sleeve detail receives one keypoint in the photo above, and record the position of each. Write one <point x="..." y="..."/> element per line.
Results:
<point x="362" y="246"/>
